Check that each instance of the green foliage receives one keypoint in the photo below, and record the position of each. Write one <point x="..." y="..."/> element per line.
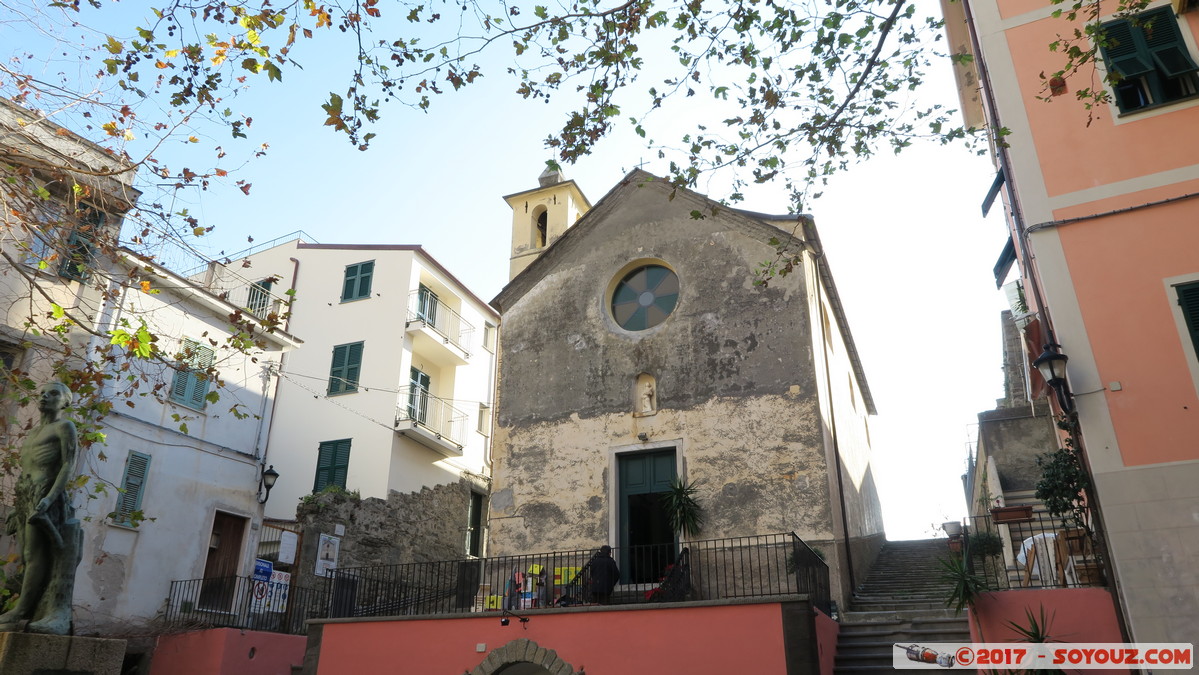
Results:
<point x="985" y="544"/>
<point x="1037" y="629"/>
<point x="318" y="501"/>
<point x="965" y="585"/>
<point x="686" y="515"/>
<point x="1063" y="485"/>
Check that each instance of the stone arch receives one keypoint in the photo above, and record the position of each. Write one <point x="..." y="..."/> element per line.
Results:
<point x="524" y="657"/>
<point x="541" y="227"/>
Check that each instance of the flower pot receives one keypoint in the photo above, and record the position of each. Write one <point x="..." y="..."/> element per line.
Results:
<point x="1012" y="514"/>
<point x="952" y="528"/>
<point x="955" y="545"/>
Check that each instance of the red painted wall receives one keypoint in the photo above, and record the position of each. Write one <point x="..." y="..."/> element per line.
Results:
<point x="729" y="639"/>
<point x="227" y="651"/>
<point x="827" y="631"/>
<point x="1075" y="615"/>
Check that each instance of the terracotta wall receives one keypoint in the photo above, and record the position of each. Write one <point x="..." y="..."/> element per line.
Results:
<point x="1074" y="615"/>
<point x="827" y="631"/>
<point x="227" y="651"/>
<point x="706" y="639"/>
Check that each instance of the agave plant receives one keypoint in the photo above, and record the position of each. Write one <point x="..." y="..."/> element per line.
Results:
<point x="966" y="584"/>
<point x="686" y="515"/>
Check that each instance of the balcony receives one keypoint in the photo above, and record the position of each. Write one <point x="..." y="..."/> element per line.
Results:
<point x="431" y="421"/>
<point x="438" y="332"/>
<point x="1038" y="551"/>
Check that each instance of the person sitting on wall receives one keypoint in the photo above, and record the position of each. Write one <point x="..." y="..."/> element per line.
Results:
<point x="604" y="575"/>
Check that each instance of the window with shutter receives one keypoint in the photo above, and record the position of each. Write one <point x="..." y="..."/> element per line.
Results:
<point x="190" y="384"/>
<point x="357" y="283"/>
<point x="133" y="485"/>
<point x="332" y="464"/>
<point x="346" y="367"/>
<point x="1148" y="60"/>
<point x="1188" y="299"/>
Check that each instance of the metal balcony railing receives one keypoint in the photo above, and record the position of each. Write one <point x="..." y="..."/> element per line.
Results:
<point x="1038" y="552"/>
<point x="241" y="602"/>
<point x="743" y="567"/>
<point x="438" y="415"/>
<point x="425" y="307"/>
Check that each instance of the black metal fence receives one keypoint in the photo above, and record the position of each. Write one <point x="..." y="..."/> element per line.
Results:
<point x="241" y="602"/>
<point x="742" y="567"/>
<point x="1032" y="551"/>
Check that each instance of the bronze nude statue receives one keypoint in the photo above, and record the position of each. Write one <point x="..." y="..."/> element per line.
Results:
<point x="43" y="519"/>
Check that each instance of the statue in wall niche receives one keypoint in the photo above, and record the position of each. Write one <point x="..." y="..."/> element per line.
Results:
<point x="50" y="540"/>
<point x="646" y="394"/>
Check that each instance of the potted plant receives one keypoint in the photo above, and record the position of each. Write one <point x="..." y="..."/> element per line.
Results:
<point x="952" y="528"/>
<point x="1012" y="514"/>
<point x="686" y="515"/>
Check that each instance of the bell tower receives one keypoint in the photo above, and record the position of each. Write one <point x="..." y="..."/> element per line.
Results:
<point x="541" y="215"/>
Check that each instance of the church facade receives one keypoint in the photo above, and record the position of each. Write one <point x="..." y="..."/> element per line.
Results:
<point x="637" y="351"/>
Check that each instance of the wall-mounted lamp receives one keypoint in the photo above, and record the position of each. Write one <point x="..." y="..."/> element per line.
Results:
<point x="267" y="481"/>
<point x="1052" y="366"/>
<point x="504" y="621"/>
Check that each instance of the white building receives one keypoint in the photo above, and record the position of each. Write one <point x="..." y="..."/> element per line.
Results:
<point x="188" y="456"/>
<point x="393" y="388"/>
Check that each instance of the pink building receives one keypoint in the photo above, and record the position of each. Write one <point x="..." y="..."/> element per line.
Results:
<point x="1105" y="238"/>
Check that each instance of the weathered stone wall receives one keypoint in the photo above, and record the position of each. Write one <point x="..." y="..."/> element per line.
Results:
<point x="735" y="382"/>
<point x="557" y="483"/>
<point x="423" y="526"/>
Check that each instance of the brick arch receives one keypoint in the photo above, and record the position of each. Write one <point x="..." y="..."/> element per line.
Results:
<point x="523" y="651"/>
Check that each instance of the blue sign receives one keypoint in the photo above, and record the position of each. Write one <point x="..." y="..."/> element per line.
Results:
<point x="263" y="569"/>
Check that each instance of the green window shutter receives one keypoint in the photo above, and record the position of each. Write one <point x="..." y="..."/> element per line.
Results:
<point x="345" y="369"/>
<point x="78" y="258"/>
<point x="1121" y="52"/>
<point x="190" y="384"/>
<point x="1188" y="299"/>
<point x="137" y="468"/>
<point x="332" y="464"/>
<point x="1165" y="43"/>
<point x="357" y="283"/>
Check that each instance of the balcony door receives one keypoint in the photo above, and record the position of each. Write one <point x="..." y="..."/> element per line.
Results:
<point x="647" y="542"/>
<point x="418" y="397"/>
<point x="426" y="305"/>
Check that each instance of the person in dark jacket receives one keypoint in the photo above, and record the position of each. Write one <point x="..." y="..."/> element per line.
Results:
<point x="604" y="575"/>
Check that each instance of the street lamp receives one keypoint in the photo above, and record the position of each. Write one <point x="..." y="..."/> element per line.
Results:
<point x="1052" y="366"/>
<point x="267" y="481"/>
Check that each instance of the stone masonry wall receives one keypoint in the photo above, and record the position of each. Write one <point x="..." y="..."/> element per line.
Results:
<point x="423" y="526"/>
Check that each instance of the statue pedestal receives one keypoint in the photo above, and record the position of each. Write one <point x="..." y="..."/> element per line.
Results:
<point x="29" y="653"/>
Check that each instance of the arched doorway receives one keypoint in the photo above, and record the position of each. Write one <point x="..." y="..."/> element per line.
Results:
<point x="523" y="668"/>
<point x="522" y="657"/>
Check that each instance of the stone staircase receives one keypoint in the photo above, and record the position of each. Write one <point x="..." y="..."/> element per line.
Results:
<point x="901" y="601"/>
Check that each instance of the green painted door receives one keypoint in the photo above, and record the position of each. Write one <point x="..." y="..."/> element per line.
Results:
<point x="646" y="541"/>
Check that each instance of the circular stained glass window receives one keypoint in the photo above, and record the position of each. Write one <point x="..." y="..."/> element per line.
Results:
<point x="645" y="297"/>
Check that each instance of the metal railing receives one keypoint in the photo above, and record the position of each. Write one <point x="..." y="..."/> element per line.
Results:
<point x="438" y="415"/>
<point x="1037" y="552"/>
<point x="428" y="309"/>
<point x="743" y="567"/>
<point x="241" y="602"/>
